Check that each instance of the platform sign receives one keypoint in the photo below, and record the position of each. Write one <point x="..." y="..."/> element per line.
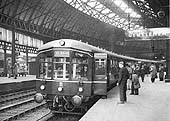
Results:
<point x="148" y="34"/>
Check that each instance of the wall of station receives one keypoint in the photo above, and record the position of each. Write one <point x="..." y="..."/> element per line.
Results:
<point x="20" y="39"/>
<point x="6" y="35"/>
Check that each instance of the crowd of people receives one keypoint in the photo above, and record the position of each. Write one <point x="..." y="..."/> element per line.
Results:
<point x="16" y="70"/>
<point x="129" y="77"/>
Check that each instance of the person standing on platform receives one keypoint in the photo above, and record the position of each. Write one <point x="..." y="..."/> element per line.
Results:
<point x="129" y="81"/>
<point x="153" y="72"/>
<point x="135" y="81"/>
<point x="123" y="76"/>
<point x="142" y="73"/>
<point x="15" y="70"/>
<point x="161" y="72"/>
<point x="9" y="70"/>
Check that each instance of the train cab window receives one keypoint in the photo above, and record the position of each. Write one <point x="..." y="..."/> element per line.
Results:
<point x="45" y="68"/>
<point x="80" y="66"/>
<point x="100" y="66"/>
<point x="61" y="68"/>
<point x="45" y="65"/>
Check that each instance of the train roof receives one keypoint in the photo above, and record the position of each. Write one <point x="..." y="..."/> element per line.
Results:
<point x="68" y="43"/>
<point x="75" y="44"/>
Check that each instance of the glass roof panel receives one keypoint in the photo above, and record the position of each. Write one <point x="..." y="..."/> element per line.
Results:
<point x="92" y="4"/>
<point x="80" y="8"/>
<point x="122" y="20"/>
<point x="84" y="0"/>
<point x="77" y="5"/>
<point x="116" y="18"/>
<point x="99" y="6"/>
<point x="123" y="6"/>
<point x="129" y="10"/>
<point x="111" y="15"/>
<point x="142" y="0"/>
<point x="103" y="13"/>
<point x="68" y="1"/>
<point x="126" y="22"/>
<point x="118" y="2"/>
<point x="147" y="6"/>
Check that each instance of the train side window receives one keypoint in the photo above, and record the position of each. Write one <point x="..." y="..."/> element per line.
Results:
<point x="100" y="66"/>
<point x="80" y="67"/>
<point x="114" y="67"/>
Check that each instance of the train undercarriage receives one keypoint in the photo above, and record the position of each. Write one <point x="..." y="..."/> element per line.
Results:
<point x="68" y="104"/>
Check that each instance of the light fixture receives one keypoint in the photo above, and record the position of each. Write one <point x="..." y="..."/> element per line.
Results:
<point x="80" y="89"/>
<point x="60" y="89"/>
<point x="42" y="87"/>
<point x="62" y="43"/>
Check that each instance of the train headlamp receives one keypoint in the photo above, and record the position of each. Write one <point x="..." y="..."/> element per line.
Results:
<point x="60" y="89"/>
<point x="80" y="89"/>
<point x="42" y="87"/>
<point x="62" y="43"/>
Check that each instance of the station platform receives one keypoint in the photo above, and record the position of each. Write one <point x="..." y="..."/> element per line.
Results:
<point x="4" y="80"/>
<point x="8" y="85"/>
<point x="152" y="104"/>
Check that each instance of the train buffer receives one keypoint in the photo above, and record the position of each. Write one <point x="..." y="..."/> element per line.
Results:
<point x="152" y="104"/>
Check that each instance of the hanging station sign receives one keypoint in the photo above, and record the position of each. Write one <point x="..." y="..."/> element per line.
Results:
<point x="148" y="34"/>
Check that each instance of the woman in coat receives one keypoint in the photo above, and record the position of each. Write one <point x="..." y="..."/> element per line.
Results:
<point x="135" y="82"/>
<point x="161" y="72"/>
<point x="153" y="72"/>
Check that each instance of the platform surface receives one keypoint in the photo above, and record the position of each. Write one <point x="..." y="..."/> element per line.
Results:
<point x="4" y="80"/>
<point x="152" y="104"/>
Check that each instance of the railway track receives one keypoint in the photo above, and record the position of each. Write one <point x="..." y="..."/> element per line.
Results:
<point x="11" y="98"/>
<point x="21" y="106"/>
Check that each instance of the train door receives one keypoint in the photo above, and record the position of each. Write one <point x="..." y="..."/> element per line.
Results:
<point x="101" y="74"/>
<point x="113" y="72"/>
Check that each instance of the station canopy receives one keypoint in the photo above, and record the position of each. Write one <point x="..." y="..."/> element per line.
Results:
<point x="97" y="21"/>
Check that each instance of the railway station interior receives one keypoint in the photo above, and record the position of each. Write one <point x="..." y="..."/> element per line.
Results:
<point x="37" y="37"/>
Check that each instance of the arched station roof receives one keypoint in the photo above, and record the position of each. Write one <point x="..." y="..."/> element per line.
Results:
<point x="78" y="19"/>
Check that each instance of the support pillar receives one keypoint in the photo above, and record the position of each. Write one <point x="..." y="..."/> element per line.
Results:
<point x="167" y="78"/>
<point x="27" y="56"/>
<point x="13" y="49"/>
<point x="5" y="60"/>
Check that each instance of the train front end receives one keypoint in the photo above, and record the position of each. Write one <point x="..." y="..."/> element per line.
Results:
<point x="64" y="80"/>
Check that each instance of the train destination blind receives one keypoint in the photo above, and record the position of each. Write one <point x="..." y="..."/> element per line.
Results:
<point x="61" y="53"/>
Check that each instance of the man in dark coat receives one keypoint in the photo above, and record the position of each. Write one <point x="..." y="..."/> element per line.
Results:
<point x="15" y="70"/>
<point x="123" y="76"/>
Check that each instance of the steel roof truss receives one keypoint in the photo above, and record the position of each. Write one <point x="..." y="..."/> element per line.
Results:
<point x="6" y="3"/>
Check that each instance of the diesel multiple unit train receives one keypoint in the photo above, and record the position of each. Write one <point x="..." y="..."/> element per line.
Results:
<point x="71" y="72"/>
